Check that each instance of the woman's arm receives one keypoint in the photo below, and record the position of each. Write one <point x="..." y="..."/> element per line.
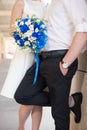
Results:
<point x="78" y="43"/>
<point x="17" y="12"/>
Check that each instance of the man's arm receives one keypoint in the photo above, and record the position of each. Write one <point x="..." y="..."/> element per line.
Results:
<point x="78" y="43"/>
<point x="77" y="12"/>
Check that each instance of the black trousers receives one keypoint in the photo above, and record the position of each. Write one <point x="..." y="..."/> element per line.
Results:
<point x="59" y="87"/>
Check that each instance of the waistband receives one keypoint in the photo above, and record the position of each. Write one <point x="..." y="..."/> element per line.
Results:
<point x="51" y="54"/>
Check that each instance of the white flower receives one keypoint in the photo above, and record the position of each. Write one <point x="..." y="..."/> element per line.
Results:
<point x="27" y="34"/>
<point x="38" y="20"/>
<point x="17" y="29"/>
<point x="18" y="42"/>
<point x="26" y="43"/>
<point x="34" y="46"/>
<point x="43" y="26"/>
<point x="16" y="23"/>
<point x="36" y="30"/>
<point x="30" y="32"/>
<point x="32" y="39"/>
<point x="21" y="23"/>
<point x="31" y="27"/>
<point x="28" y="22"/>
<point x="45" y="32"/>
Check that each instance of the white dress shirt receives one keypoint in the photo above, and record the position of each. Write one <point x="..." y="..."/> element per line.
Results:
<point x="65" y="18"/>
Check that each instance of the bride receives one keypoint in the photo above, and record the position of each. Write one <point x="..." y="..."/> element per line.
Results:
<point x="22" y="61"/>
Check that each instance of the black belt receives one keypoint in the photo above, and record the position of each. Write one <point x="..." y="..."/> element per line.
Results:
<point x="50" y="54"/>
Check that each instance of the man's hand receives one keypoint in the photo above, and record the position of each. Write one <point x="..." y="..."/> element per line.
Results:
<point x="63" y="70"/>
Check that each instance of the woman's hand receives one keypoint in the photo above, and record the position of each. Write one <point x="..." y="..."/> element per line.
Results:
<point x="63" y="70"/>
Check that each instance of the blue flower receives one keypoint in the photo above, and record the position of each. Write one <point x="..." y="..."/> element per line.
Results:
<point x="16" y="36"/>
<point x="24" y="28"/>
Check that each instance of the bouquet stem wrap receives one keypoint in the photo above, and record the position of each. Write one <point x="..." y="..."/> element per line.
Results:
<point x="37" y="67"/>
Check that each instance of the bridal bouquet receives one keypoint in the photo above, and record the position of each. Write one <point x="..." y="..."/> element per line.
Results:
<point x="31" y="32"/>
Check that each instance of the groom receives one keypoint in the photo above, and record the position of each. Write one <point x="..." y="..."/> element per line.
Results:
<point x="67" y="36"/>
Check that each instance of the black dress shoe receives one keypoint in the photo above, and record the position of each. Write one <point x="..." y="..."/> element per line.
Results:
<point x="76" y="109"/>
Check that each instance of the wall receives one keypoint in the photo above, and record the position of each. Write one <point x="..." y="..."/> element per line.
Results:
<point x="80" y="84"/>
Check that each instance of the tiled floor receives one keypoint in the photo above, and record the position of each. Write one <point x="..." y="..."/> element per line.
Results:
<point x="9" y="108"/>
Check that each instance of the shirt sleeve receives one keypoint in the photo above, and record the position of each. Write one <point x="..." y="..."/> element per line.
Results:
<point x="77" y="11"/>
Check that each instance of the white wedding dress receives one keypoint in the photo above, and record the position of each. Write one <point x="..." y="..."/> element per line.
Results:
<point x="23" y="58"/>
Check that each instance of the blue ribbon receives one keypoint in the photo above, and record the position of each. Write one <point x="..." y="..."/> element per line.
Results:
<point x="37" y="67"/>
